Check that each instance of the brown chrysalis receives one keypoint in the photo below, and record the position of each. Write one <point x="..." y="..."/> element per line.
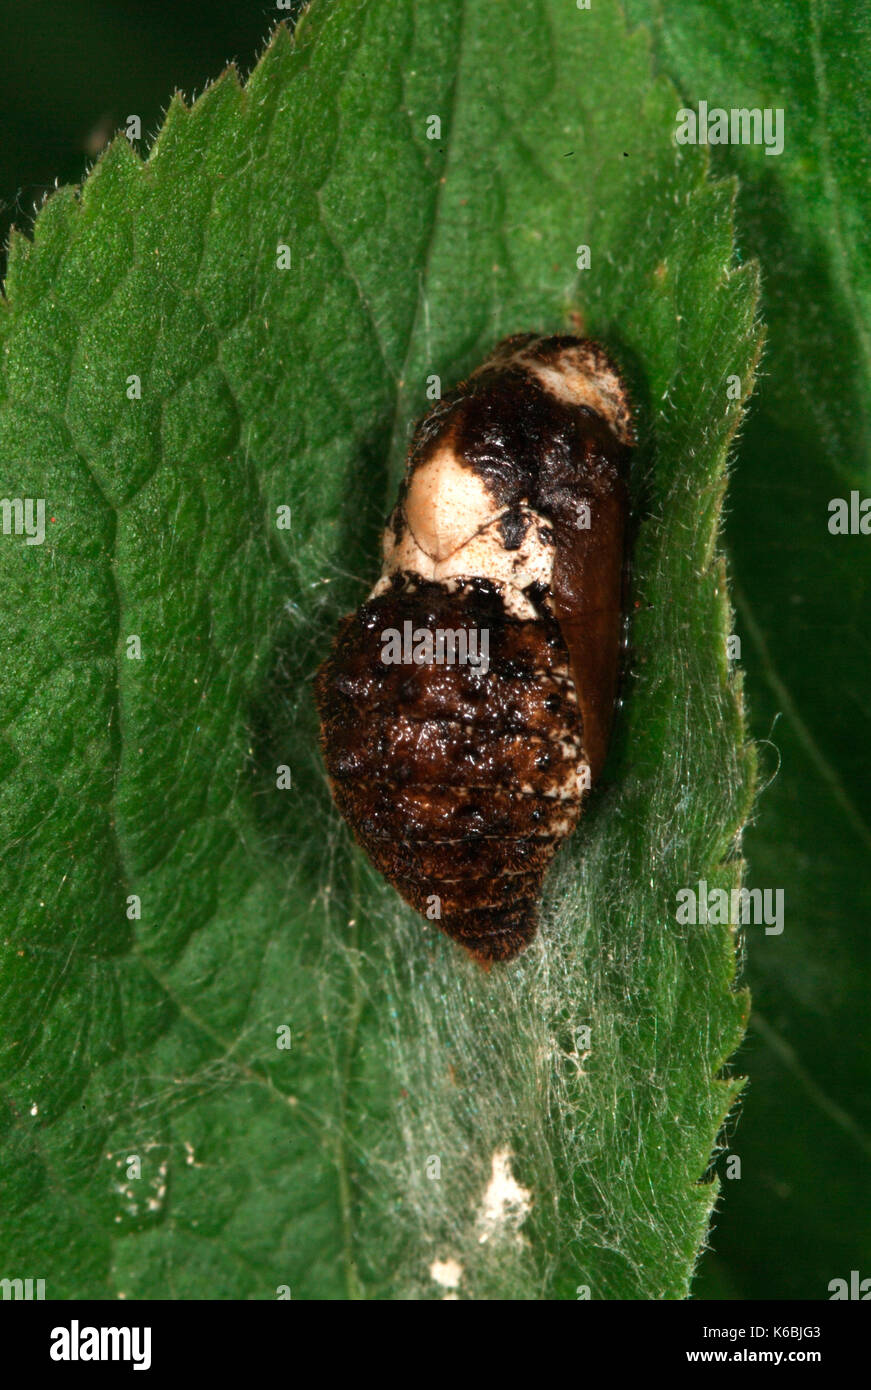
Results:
<point x="466" y="706"/>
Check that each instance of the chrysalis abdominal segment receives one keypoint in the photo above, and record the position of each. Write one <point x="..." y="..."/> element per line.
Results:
<point x="461" y="776"/>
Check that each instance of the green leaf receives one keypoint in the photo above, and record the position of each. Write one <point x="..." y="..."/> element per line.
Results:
<point x="428" y="1116"/>
<point x="799" y="1217"/>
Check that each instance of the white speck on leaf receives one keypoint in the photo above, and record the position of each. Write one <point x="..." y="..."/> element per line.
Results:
<point x="448" y="1273"/>
<point x="505" y="1204"/>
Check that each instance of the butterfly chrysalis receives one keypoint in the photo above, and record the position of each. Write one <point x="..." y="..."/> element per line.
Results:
<point x="466" y="706"/>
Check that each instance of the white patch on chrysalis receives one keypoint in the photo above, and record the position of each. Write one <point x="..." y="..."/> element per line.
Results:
<point x="505" y="1204"/>
<point x="446" y="505"/>
<point x="583" y="376"/>
<point x="450" y="529"/>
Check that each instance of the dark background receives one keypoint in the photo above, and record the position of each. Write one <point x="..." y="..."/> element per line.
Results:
<point x="73" y="70"/>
